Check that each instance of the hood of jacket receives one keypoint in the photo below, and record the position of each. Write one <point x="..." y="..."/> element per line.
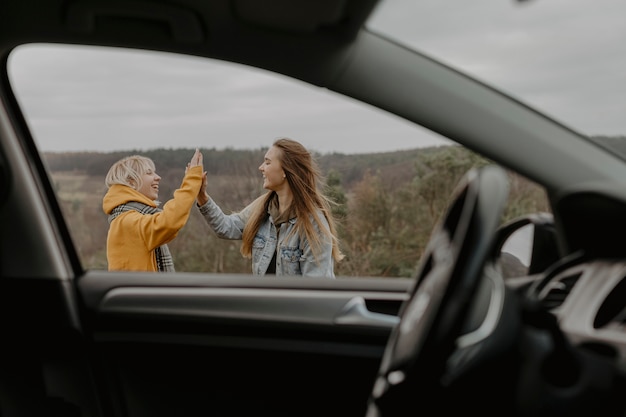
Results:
<point x="122" y="194"/>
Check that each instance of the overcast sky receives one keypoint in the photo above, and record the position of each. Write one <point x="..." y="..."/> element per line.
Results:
<point x="565" y="57"/>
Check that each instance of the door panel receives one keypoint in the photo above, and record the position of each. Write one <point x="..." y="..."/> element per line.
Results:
<point x="198" y="345"/>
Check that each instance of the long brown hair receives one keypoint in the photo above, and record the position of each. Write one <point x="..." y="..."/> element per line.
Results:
<point x="304" y="177"/>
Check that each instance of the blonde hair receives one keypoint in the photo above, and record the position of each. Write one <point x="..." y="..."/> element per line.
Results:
<point x="303" y="175"/>
<point x="129" y="170"/>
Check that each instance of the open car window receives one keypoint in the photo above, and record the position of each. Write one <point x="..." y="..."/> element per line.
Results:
<point x="87" y="107"/>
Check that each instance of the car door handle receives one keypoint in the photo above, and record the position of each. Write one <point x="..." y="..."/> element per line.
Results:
<point x="356" y="313"/>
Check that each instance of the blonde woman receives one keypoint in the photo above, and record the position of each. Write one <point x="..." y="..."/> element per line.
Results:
<point x="289" y="230"/>
<point x="138" y="229"/>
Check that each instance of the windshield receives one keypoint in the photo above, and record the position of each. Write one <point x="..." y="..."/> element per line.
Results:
<point x="562" y="57"/>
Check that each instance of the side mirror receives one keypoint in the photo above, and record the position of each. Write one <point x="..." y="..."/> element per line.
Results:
<point x="527" y="245"/>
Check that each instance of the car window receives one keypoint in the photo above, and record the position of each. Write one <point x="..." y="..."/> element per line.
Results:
<point x="87" y="107"/>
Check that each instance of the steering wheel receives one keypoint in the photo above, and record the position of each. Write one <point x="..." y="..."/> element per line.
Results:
<point x="432" y="319"/>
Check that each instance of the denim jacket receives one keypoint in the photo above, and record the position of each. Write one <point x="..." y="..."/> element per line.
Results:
<point x="294" y="255"/>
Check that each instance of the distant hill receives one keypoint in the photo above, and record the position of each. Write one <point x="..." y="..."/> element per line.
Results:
<point x="397" y="167"/>
<point x="351" y="167"/>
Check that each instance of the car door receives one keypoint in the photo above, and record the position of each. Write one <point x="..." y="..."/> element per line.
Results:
<point x="85" y="341"/>
<point x="236" y="345"/>
<point x="99" y="343"/>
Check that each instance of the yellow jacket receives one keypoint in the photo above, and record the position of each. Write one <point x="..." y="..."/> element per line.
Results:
<point x="133" y="236"/>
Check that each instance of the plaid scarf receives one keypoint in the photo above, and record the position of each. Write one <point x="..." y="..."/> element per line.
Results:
<point x="165" y="263"/>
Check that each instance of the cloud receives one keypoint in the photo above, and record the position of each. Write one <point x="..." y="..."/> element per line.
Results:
<point x="563" y="57"/>
<point x="162" y="100"/>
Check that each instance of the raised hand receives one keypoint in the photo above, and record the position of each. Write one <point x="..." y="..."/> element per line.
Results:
<point x="203" y="196"/>
<point x="196" y="160"/>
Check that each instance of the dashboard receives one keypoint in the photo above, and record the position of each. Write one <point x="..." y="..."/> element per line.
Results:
<point x="588" y="299"/>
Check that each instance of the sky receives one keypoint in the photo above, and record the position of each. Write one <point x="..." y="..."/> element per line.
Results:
<point x="564" y="57"/>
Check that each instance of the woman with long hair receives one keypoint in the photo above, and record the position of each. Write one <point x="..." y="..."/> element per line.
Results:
<point x="290" y="229"/>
